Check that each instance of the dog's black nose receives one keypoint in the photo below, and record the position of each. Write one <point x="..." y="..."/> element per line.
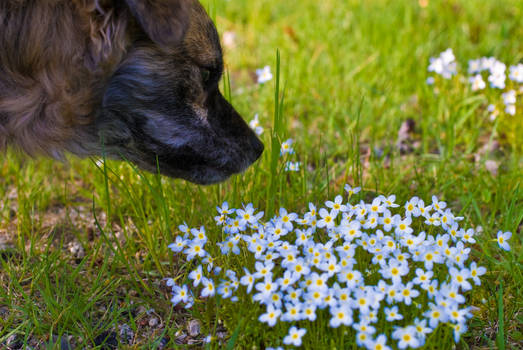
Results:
<point x="257" y="147"/>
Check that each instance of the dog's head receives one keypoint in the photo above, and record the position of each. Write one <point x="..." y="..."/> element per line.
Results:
<point x="162" y="108"/>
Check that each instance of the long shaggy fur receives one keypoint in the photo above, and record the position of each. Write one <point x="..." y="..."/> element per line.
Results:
<point x="52" y="71"/>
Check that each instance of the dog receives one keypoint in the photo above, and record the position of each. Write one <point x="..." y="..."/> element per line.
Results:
<point x="129" y="79"/>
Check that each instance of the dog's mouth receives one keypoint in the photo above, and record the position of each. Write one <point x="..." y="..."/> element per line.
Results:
<point x="206" y="171"/>
<point x="201" y="169"/>
<point x="201" y="176"/>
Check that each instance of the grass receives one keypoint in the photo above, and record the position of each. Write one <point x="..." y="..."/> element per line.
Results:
<point x="351" y="73"/>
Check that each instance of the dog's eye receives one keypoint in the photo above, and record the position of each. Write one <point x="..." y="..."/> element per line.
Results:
<point x="206" y="74"/>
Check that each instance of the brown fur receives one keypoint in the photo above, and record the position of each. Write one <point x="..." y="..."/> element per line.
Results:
<point x="53" y="71"/>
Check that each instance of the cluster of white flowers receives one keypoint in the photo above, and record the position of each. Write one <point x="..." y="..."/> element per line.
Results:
<point x="444" y="65"/>
<point x="287" y="149"/>
<point x="509" y="100"/>
<point x="361" y="265"/>
<point x="489" y="67"/>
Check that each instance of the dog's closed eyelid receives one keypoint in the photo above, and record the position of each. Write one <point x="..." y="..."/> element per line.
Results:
<point x="210" y="75"/>
<point x="206" y="74"/>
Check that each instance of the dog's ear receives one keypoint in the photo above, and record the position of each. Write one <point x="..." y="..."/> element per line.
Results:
<point x="164" y="21"/>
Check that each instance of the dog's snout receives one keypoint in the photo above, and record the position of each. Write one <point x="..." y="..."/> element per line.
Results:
<point x="257" y="147"/>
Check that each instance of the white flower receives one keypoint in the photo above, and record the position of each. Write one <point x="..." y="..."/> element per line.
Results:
<point x="180" y="294"/>
<point x="403" y="226"/>
<point x="287" y="280"/>
<point x="379" y="344"/>
<point x="497" y="80"/>
<point x="199" y="234"/>
<point x="337" y="204"/>
<point x="477" y="82"/>
<point x="487" y="62"/>
<point x="293" y="312"/>
<point x="178" y="245"/>
<point x="422" y="277"/>
<point x="229" y="39"/>
<point x="502" y="240"/>
<point x="394" y="270"/>
<point x="255" y="125"/>
<point x="341" y="315"/>
<point x="459" y="329"/>
<point x="435" y="315"/>
<point x="438" y="205"/>
<point x="436" y="65"/>
<point x="509" y="97"/>
<point x="444" y="65"/>
<point x="497" y="67"/>
<point x="264" y="74"/>
<point x="247" y="280"/>
<point x="421" y="327"/>
<point x="352" y="190"/>
<point x="448" y="56"/>
<point x="406" y="337"/>
<point x="208" y="290"/>
<point x="224" y="209"/>
<point x="476" y="271"/>
<point x="407" y="293"/>
<point x="271" y="316"/>
<point x="327" y="218"/>
<point x="286" y="147"/>
<point x="194" y="249"/>
<point x="510" y="109"/>
<point x="266" y="287"/>
<point x="493" y="111"/>
<point x="292" y="166"/>
<point x="516" y="73"/>
<point x="393" y="314"/>
<point x="294" y="336"/>
<point x="475" y="66"/>
<point x="196" y="275"/>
